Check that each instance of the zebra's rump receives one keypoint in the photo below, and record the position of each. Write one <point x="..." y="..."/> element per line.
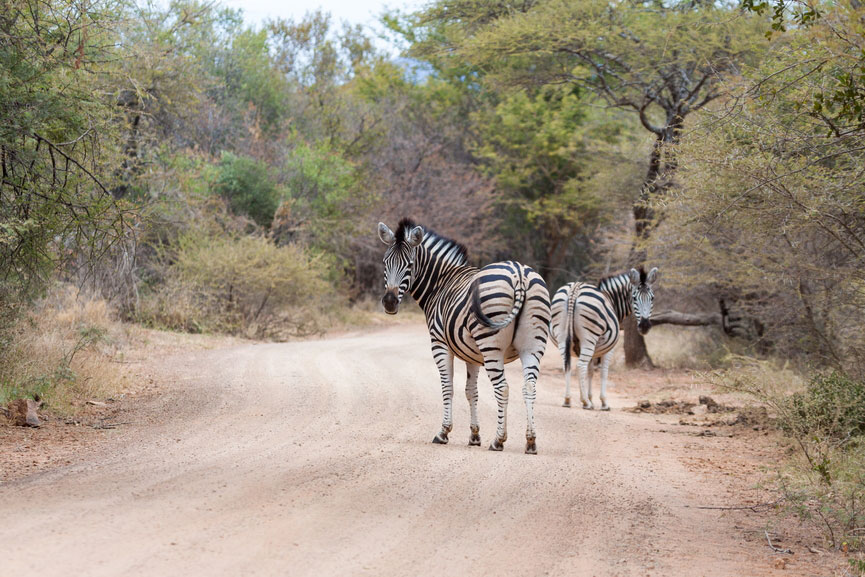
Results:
<point x="594" y="321"/>
<point x="504" y="289"/>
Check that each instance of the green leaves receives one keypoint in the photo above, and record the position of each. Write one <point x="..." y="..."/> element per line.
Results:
<point x="57" y="135"/>
<point x="543" y="150"/>
<point x="770" y="206"/>
<point x="248" y="187"/>
<point x="320" y="180"/>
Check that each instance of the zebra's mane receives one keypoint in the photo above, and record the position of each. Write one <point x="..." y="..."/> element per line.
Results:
<point x="461" y="255"/>
<point x="607" y="279"/>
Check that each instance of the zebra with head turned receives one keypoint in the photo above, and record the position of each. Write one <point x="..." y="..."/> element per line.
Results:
<point x="486" y="317"/>
<point x="587" y="319"/>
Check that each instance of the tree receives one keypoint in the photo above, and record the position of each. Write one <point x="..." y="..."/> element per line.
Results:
<point x="543" y="151"/>
<point x="771" y="207"/>
<point x="660" y="60"/>
<point x="58" y="142"/>
<point x="421" y="166"/>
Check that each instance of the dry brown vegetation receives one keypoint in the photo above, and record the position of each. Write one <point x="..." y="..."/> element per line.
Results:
<point x="65" y="349"/>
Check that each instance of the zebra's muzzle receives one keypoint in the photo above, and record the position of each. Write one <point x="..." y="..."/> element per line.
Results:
<point x="390" y="303"/>
<point x="644" y="325"/>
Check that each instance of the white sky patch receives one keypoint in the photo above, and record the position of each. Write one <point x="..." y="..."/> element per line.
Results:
<point x="364" y="12"/>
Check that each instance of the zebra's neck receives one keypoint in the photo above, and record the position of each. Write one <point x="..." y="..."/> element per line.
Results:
<point x="618" y="289"/>
<point x="437" y="261"/>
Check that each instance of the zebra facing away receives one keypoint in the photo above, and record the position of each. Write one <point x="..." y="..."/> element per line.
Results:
<point x="486" y="317"/>
<point x="587" y="319"/>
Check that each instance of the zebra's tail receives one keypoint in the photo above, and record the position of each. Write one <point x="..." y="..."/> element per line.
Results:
<point x="519" y="299"/>
<point x="569" y="323"/>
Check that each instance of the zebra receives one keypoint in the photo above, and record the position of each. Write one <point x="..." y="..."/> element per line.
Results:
<point x="594" y="315"/>
<point x="461" y="303"/>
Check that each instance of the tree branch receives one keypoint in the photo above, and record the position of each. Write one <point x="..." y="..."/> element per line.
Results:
<point x="686" y="319"/>
<point x="644" y="119"/>
<point x="73" y="161"/>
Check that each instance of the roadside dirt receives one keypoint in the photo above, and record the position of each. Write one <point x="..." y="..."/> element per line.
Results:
<point x="314" y="458"/>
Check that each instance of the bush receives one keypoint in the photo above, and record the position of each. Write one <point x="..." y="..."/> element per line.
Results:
<point x="247" y="186"/>
<point x="244" y="285"/>
<point x="832" y="406"/>
<point x="824" y="479"/>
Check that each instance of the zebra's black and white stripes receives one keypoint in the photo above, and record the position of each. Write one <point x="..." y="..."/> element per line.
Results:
<point x="486" y="317"/>
<point x="587" y="321"/>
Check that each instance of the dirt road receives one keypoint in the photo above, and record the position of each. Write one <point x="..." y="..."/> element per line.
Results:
<point x="314" y="458"/>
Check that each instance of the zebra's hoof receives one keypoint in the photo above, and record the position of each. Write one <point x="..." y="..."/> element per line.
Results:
<point x="531" y="448"/>
<point x="567" y="402"/>
<point x="475" y="440"/>
<point x="588" y="406"/>
<point x="605" y="407"/>
<point x="496" y="445"/>
<point x="440" y="439"/>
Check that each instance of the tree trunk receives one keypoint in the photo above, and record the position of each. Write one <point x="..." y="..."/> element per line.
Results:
<point x="636" y="345"/>
<point x="636" y="355"/>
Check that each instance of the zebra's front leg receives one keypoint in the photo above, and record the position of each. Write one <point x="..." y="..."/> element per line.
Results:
<point x="531" y="368"/>
<point x="605" y="368"/>
<point x="472" y="396"/>
<point x="496" y="371"/>
<point x="445" y="361"/>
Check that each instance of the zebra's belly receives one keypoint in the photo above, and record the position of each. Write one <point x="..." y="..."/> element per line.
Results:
<point x="464" y="347"/>
<point x="462" y="344"/>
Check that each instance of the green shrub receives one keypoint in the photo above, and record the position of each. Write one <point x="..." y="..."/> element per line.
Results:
<point x="832" y="406"/>
<point x="247" y="186"/>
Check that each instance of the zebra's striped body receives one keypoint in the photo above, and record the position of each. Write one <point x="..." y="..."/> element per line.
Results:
<point x="587" y="321"/>
<point x="486" y="317"/>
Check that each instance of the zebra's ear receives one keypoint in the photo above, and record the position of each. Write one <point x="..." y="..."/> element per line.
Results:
<point x="385" y="234"/>
<point x="653" y="276"/>
<point x="415" y="236"/>
<point x="634" y="276"/>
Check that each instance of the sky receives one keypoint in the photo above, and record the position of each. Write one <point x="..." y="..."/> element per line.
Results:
<point x="355" y="11"/>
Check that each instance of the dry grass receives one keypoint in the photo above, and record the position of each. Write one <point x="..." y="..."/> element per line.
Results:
<point x="63" y="349"/>
<point x="673" y="347"/>
<point x="369" y="312"/>
<point x="822" y="479"/>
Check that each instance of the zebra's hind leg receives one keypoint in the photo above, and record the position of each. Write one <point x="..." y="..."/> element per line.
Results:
<point x="496" y="371"/>
<point x="472" y="396"/>
<point x="585" y="389"/>
<point x="605" y="368"/>
<point x="445" y="361"/>
<point x="531" y="368"/>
